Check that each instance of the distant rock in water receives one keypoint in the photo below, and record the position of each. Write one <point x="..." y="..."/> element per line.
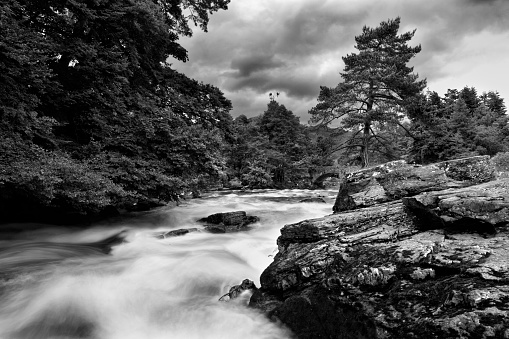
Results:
<point x="412" y="252"/>
<point x="313" y="200"/>
<point x="176" y="233"/>
<point x="228" y="221"/>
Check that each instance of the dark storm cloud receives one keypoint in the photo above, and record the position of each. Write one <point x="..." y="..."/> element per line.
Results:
<point x="483" y="2"/>
<point x="297" y="32"/>
<point x="317" y="27"/>
<point x="294" y="46"/>
<point x="249" y="64"/>
<point x="296" y="86"/>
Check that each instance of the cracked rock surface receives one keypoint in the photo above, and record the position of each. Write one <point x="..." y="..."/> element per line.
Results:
<point x="397" y="179"/>
<point x="431" y="265"/>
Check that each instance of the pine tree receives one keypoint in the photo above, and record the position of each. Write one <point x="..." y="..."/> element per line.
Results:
<point x="376" y="86"/>
<point x="459" y="124"/>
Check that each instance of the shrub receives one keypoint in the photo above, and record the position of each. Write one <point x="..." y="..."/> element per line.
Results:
<point x="257" y="177"/>
<point x="501" y="164"/>
<point x="32" y="177"/>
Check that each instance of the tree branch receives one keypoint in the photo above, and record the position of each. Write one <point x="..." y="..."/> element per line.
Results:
<point x="380" y="141"/>
<point x="406" y="130"/>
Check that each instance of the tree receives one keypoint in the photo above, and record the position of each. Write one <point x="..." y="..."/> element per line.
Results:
<point x="376" y="86"/>
<point x="459" y="124"/>
<point x="86" y="91"/>
<point x="272" y="150"/>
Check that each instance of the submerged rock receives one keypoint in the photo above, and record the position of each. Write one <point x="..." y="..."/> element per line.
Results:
<point x="431" y="265"/>
<point x="320" y="200"/>
<point x="176" y="233"/>
<point x="228" y="221"/>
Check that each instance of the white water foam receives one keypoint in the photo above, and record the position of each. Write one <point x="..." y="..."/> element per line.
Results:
<point x="147" y="287"/>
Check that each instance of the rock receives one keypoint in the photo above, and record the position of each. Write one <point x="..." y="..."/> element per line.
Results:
<point x="430" y="265"/>
<point x="476" y="169"/>
<point x="228" y="222"/>
<point x="320" y="200"/>
<point x="106" y="245"/>
<point x="483" y="206"/>
<point x="237" y="290"/>
<point x="312" y="314"/>
<point x="176" y="233"/>
<point x="397" y="179"/>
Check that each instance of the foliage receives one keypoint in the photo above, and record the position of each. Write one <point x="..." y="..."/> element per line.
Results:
<point x="456" y="126"/>
<point x="92" y="115"/>
<point x="275" y="150"/>
<point x="34" y="176"/>
<point x="256" y="177"/>
<point x="376" y="85"/>
<point x="501" y="164"/>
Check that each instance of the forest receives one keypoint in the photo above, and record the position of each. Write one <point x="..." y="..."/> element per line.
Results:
<point x="94" y="121"/>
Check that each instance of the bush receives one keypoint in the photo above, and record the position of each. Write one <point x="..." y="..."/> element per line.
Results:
<point x="501" y="164"/>
<point x="32" y="178"/>
<point x="256" y="177"/>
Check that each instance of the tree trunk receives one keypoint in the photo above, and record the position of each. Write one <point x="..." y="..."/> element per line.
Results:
<point x="365" y="145"/>
<point x="367" y="127"/>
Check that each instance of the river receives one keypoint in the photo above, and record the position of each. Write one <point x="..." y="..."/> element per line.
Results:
<point x="55" y="284"/>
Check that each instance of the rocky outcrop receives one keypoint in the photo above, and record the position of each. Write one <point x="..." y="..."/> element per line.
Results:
<point x="397" y="179"/>
<point x="433" y="264"/>
<point x="228" y="221"/>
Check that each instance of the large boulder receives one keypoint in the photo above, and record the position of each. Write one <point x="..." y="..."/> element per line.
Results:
<point x="397" y="179"/>
<point x="432" y="265"/>
<point x="228" y="221"/>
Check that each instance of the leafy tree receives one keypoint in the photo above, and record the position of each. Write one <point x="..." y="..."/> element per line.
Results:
<point x="86" y="92"/>
<point x="287" y="141"/>
<point x="376" y="86"/>
<point x="273" y="150"/>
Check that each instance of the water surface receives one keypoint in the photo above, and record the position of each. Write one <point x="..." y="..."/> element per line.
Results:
<point x="58" y="282"/>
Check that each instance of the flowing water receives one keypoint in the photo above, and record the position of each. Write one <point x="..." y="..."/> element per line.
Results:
<point x="60" y="282"/>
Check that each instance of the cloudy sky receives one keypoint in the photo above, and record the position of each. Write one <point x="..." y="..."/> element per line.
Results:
<point x="295" y="46"/>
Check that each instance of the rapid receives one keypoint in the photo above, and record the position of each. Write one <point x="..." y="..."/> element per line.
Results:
<point x="61" y="282"/>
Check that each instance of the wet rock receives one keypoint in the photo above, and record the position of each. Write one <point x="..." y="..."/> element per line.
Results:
<point x="397" y="179"/>
<point x="312" y="314"/>
<point x="237" y="290"/>
<point x="176" y="233"/>
<point x="228" y="221"/>
<point x="106" y="245"/>
<point x="319" y="200"/>
<point x="430" y="265"/>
